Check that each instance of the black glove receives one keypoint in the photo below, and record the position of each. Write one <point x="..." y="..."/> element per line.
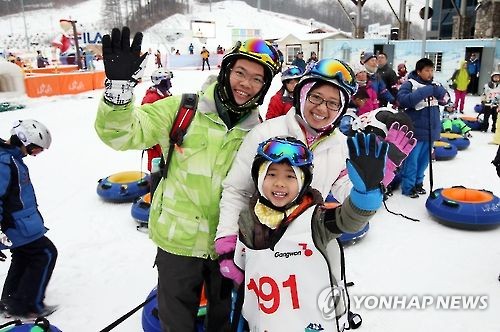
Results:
<point x="365" y="167"/>
<point x="122" y="61"/>
<point x="3" y="258"/>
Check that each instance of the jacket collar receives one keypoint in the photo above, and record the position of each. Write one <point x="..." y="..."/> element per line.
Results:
<point x="207" y="106"/>
<point x="13" y="150"/>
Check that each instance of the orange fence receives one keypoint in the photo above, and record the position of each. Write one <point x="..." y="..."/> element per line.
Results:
<point x="38" y="85"/>
<point x="54" y="70"/>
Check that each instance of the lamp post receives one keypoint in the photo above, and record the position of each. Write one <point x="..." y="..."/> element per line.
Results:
<point x="409" y="20"/>
<point x="311" y="21"/>
<point x="25" y="27"/>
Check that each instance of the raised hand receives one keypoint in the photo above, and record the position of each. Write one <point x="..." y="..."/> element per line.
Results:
<point x="365" y="167"/>
<point x="123" y="63"/>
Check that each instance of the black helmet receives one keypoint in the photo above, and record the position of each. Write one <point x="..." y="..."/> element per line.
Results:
<point x="332" y="71"/>
<point x="284" y="149"/>
<point x="257" y="50"/>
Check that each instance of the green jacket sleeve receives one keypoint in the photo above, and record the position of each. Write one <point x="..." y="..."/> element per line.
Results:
<point x="136" y="127"/>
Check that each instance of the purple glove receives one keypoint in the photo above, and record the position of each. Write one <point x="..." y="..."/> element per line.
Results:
<point x="224" y="247"/>
<point x="401" y="143"/>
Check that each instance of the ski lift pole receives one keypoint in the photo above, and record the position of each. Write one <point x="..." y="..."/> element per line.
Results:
<point x="75" y="36"/>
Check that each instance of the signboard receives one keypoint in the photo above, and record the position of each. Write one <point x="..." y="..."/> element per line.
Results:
<point x="203" y="29"/>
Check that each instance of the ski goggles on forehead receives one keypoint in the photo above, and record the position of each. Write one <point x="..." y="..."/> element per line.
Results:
<point x="293" y="71"/>
<point x="338" y="70"/>
<point x="277" y="150"/>
<point x="261" y="49"/>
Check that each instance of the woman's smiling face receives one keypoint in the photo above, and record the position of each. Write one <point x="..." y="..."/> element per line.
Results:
<point x="320" y="116"/>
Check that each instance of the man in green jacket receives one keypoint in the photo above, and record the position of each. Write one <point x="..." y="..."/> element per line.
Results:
<point x="185" y="208"/>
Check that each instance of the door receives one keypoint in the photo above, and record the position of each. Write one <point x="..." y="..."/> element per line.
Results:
<point x="487" y="66"/>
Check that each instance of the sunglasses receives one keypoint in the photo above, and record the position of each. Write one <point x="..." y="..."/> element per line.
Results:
<point x="332" y="68"/>
<point x="279" y="149"/>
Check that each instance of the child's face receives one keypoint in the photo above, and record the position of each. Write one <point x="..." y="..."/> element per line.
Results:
<point x="495" y="78"/>
<point x="280" y="184"/>
<point x="359" y="102"/>
<point x="362" y="76"/>
<point x="290" y="84"/>
<point x="427" y="73"/>
<point x="246" y="80"/>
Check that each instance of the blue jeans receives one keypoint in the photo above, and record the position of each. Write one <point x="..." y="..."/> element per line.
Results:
<point x="413" y="169"/>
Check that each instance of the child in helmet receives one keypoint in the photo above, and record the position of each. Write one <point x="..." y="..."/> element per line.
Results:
<point x="161" y="89"/>
<point x="287" y="236"/>
<point x="22" y="226"/>
<point x="451" y="119"/>
<point x="282" y="101"/>
<point x="490" y="99"/>
<point x="185" y="208"/>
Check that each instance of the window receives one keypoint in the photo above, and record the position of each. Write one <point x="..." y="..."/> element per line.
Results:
<point x="291" y="51"/>
<point x="437" y="58"/>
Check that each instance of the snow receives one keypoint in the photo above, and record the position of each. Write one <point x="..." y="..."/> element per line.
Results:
<point x="105" y="266"/>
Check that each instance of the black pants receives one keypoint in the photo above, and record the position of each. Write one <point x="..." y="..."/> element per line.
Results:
<point x="473" y="84"/>
<point x="180" y="280"/>
<point x="29" y="275"/>
<point x="489" y="111"/>
<point x="203" y="64"/>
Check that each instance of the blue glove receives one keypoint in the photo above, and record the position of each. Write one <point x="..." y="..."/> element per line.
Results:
<point x="365" y="167"/>
<point x="439" y="92"/>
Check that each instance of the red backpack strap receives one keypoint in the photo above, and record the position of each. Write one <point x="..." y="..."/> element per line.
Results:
<point x="185" y="115"/>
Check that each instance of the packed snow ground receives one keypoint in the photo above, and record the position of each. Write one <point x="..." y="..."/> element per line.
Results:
<point x="105" y="266"/>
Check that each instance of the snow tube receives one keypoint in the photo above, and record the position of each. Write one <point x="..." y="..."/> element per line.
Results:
<point x="123" y="186"/>
<point x="471" y="121"/>
<point x="444" y="151"/>
<point x="140" y="209"/>
<point x="351" y="238"/>
<point x="41" y="324"/>
<point x="460" y="142"/>
<point x="348" y="238"/>
<point x="151" y="322"/>
<point x="465" y="208"/>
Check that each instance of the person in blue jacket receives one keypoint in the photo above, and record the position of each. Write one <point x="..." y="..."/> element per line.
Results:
<point x="22" y="226"/>
<point x="420" y="97"/>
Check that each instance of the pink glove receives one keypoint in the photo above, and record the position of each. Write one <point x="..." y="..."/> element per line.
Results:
<point x="401" y="143"/>
<point x="225" y="247"/>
